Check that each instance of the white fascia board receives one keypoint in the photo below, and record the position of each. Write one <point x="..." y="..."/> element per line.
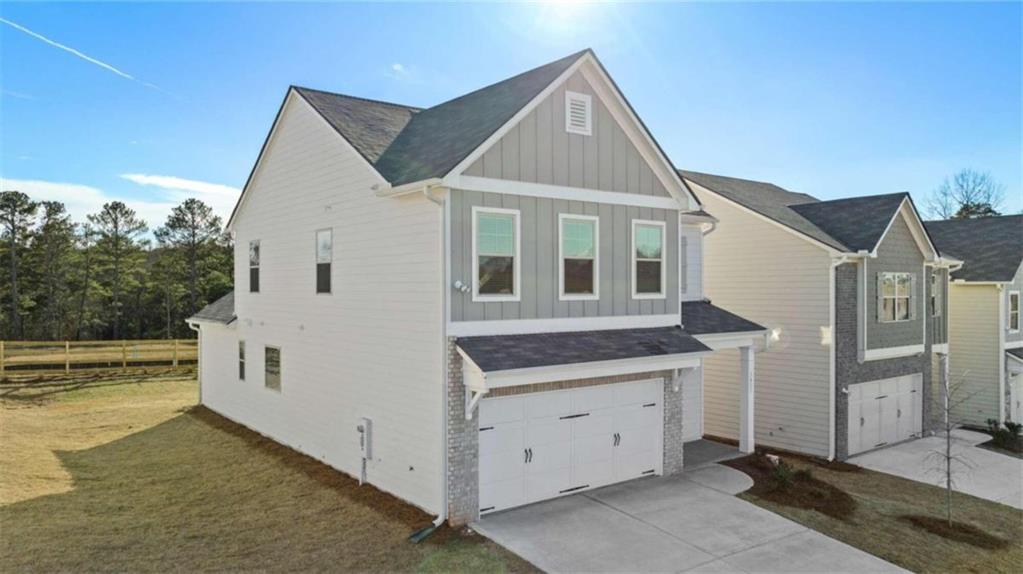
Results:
<point x="385" y="190"/>
<point x="1013" y="344"/>
<point x="486" y="184"/>
<point x="537" y="375"/>
<point x="940" y="348"/>
<point x="892" y="352"/>
<point x="916" y="229"/>
<point x="719" y="341"/>
<point x="527" y="326"/>
<point x="831" y="250"/>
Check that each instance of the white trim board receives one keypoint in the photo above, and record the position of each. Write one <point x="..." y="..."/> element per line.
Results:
<point x="892" y="352"/>
<point x="526" y="326"/>
<point x="663" y="293"/>
<point x="717" y="341"/>
<point x="487" y="184"/>
<point x="516" y="295"/>
<point x="940" y="348"/>
<point x="595" y="295"/>
<point x="1014" y="344"/>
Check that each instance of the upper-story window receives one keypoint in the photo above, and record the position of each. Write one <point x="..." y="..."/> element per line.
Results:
<point x="495" y="246"/>
<point x="895" y="294"/>
<point x="324" y="257"/>
<point x="1013" y="311"/>
<point x="579" y="249"/>
<point x="935" y="293"/>
<point x="648" y="269"/>
<point x="578" y="114"/>
<point x="254" y="266"/>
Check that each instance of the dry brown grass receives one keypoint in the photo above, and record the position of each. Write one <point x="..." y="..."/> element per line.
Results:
<point x="126" y="474"/>
<point x="878" y="523"/>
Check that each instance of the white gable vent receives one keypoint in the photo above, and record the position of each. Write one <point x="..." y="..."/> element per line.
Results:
<point x="578" y="114"/>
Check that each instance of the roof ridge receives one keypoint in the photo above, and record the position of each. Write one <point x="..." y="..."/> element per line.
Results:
<point x="859" y="197"/>
<point x="986" y="217"/>
<point x="683" y="171"/>
<point x="360" y="98"/>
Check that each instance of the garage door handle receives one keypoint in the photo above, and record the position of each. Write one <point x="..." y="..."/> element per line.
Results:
<point x="898" y="413"/>
<point x="861" y="421"/>
<point x="530" y="455"/>
<point x="574" y="416"/>
<point x="882" y="397"/>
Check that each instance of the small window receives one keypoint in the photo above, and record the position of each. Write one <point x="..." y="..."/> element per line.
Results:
<point x="254" y="266"/>
<point x="648" y="272"/>
<point x="935" y="293"/>
<point x="1014" y="311"/>
<point x="272" y="368"/>
<point x="579" y="250"/>
<point x="241" y="360"/>
<point x="495" y="254"/>
<point x="324" y="257"/>
<point x="895" y="297"/>
<point x="578" y="114"/>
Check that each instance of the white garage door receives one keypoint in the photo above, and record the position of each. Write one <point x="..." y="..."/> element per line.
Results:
<point x="542" y="445"/>
<point x="885" y="412"/>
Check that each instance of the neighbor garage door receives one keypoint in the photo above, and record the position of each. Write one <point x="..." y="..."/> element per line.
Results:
<point x="885" y="412"/>
<point x="542" y="445"/>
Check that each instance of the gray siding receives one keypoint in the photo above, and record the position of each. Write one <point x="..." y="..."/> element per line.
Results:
<point x="898" y="252"/>
<point x="539" y="265"/>
<point x="939" y="324"/>
<point x="539" y="150"/>
<point x="1017" y="285"/>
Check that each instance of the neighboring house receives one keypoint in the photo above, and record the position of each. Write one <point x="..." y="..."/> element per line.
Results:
<point x="854" y="291"/>
<point x="472" y="306"/>
<point x="985" y="340"/>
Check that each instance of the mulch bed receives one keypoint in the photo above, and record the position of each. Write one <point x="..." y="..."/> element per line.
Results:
<point x="797" y="488"/>
<point x="992" y="445"/>
<point x="958" y="531"/>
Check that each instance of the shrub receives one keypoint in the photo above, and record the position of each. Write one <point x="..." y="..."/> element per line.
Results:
<point x="783" y="475"/>
<point x="1005" y="436"/>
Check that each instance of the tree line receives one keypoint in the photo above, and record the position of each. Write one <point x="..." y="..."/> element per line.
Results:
<point x="104" y="278"/>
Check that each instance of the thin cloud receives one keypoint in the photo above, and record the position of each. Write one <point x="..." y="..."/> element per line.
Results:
<point x="75" y="52"/>
<point x="220" y="197"/>
<point x="18" y="95"/>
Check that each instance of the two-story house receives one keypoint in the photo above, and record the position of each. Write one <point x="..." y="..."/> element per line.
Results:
<point x="985" y="340"/>
<point x="475" y="305"/>
<point x="855" y="294"/>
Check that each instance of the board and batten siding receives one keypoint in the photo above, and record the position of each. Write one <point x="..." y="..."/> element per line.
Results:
<point x="974" y="353"/>
<point x="373" y="348"/>
<point x="900" y="253"/>
<point x="539" y="265"/>
<point x="539" y="150"/>
<point x="764" y="273"/>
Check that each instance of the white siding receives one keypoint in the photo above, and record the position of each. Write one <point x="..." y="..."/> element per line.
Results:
<point x="764" y="273"/>
<point x="692" y="261"/>
<point x="973" y="350"/>
<point x="374" y="348"/>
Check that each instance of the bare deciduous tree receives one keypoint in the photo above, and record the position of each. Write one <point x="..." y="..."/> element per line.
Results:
<point x="948" y="461"/>
<point x="967" y="194"/>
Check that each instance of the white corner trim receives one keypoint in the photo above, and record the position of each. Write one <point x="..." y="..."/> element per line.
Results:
<point x="940" y="348"/>
<point x="1008" y="312"/>
<point x="892" y="352"/>
<point x="562" y="296"/>
<point x="526" y="326"/>
<point x="486" y="184"/>
<point x="663" y="294"/>
<point x="517" y="263"/>
<point x="536" y="375"/>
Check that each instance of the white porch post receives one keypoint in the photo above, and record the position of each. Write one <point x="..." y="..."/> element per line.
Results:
<point x="746" y="441"/>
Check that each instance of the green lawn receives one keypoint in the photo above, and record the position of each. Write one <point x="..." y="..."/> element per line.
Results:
<point x="127" y="474"/>
<point x="869" y="510"/>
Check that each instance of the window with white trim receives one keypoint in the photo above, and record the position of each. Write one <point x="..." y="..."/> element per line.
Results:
<point x="241" y="360"/>
<point x="648" y="269"/>
<point x="578" y="247"/>
<point x="495" y="249"/>
<point x="895" y="297"/>
<point x="935" y="293"/>
<point x="272" y="368"/>
<point x="578" y="113"/>
<point x="324" y="257"/>
<point x="254" y="266"/>
<point x="1013" y="309"/>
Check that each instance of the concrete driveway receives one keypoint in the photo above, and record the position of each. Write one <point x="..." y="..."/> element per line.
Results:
<point x="990" y="475"/>
<point x="686" y="523"/>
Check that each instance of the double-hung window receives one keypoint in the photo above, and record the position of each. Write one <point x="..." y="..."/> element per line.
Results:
<point x="1013" y="308"/>
<point x="935" y="293"/>
<point x="648" y="263"/>
<point x="495" y="246"/>
<point x="241" y="360"/>
<point x="324" y="257"/>
<point x="579" y="272"/>
<point x="254" y="266"/>
<point x="895" y="297"/>
<point x="272" y="368"/>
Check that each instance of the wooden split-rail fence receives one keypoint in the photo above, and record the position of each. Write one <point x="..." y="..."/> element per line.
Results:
<point x="49" y="357"/>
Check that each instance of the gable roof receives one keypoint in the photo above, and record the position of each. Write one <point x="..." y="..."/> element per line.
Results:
<point x="849" y="225"/>
<point x="991" y="247"/>
<point x="219" y="311"/>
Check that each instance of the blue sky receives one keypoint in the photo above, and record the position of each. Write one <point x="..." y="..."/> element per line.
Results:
<point x="828" y="99"/>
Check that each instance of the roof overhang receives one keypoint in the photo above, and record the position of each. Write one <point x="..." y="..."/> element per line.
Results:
<point x="480" y="381"/>
<point x="916" y="227"/>
<point x="718" y="341"/>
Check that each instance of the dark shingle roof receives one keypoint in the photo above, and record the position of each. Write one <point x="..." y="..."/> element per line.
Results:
<point x="1017" y="352"/>
<point x="408" y="144"/>
<point x="856" y="222"/>
<point x="504" y="352"/>
<point x="219" y="311"/>
<point x="702" y="318"/>
<point x="369" y="125"/>
<point x="991" y="247"/>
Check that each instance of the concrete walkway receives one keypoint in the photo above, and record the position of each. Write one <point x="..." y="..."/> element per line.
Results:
<point x="687" y="523"/>
<point x="991" y="475"/>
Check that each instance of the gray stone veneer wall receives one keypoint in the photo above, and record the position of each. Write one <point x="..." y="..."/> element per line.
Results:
<point x="849" y="370"/>
<point x="463" y="435"/>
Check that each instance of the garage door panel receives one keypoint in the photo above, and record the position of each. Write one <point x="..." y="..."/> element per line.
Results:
<point x="548" y="430"/>
<point x="549" y="456"/>
<point x="637" y="416"/>
<point x="588" y="399"/>
<point x="501" y="495"/>
<point x="556" y="403"/>
<point x="595" y="423"/>
<point x="500" y="438"/>
<point x="888" y="411"/>
<point x="502" y="466"/>
<point x="501" y="411"/>
<point x="548" y="484"/>
<point x="645" y="392"/>
<point x="635" y="465"/>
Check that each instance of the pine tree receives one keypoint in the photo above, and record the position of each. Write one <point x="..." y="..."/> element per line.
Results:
<point x="120" y="255"/>
<point x="17" y="213"/>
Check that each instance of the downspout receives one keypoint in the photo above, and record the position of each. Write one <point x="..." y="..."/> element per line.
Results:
<point x="198" y="356"/>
